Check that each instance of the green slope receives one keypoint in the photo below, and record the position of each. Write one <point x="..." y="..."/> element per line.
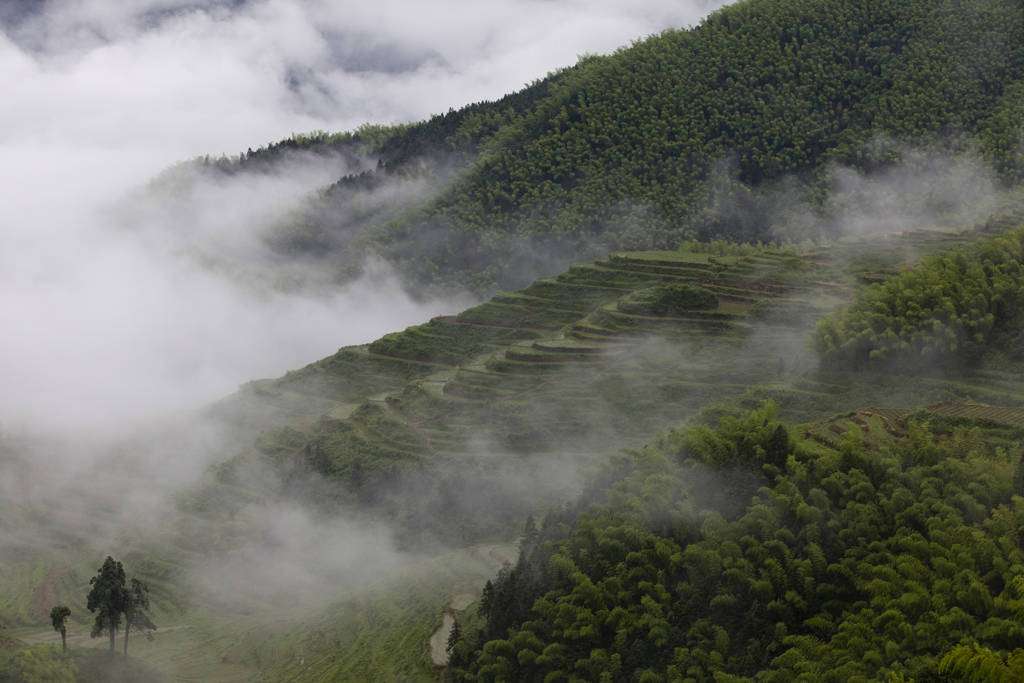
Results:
<point x="676" y="135"/>
<point x="455" y="430"/>
<point x="867" y="547"/>
<point x="574" y="367"/>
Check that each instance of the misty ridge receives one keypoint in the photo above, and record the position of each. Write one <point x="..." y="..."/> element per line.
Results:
<point x="183" y="290"/>
<point x="213" y="228"/>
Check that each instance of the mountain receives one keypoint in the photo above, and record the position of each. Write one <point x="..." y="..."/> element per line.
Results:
<point x="683" y="134"/>
<point x="599" y="357"/>
<point x="674" y="445"/>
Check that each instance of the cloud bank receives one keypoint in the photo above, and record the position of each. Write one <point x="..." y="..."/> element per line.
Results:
<point x="101" y="325"/>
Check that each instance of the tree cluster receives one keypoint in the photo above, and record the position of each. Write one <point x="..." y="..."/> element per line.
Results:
<point x="750" y="553"/>
<point x="951" y="308"/>
<point x="116" y="601"/>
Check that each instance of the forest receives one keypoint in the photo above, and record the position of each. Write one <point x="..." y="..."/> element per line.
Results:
<point x="952" y="308"/>
<point x="680" y="135"/>
<point x="751" y="551"/>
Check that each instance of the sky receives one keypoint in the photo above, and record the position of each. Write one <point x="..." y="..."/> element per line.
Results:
<point x="103" y="320"/>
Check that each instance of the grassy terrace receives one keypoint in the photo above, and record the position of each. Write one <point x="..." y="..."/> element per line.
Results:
<point x="958" y="423"/>
<point x="523" y="378"/>
<point x="587" y="361"/>
<point x="553" y="363"/>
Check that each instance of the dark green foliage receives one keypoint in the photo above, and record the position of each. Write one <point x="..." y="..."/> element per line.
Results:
<point x="107" y="598"/>
<point x="673" y="137"/>
<point x="59" y="617"/>
<point x="111" y="598"/>
<point x="136" y="602"/>
<point x="854" y="562"/>
<point x="981" y="664"/>
<point x="951" y="308"/>
<point x="1018" y="476"/>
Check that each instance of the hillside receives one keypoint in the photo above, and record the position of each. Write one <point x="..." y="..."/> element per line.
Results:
<point x="454" y="431"/>
<point x="598" y="358"/>
<point x="727" y="437"/>
<point x="722" y="130"/>
<point x="477" y="420"/>
<point x="872" y="545"/>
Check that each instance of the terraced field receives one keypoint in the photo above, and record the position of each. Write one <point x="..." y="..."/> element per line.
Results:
<point x="921" y="431"/>
<point x="455" y="430"/>
<point x="599" y="358"/>
<point x="997" y="414"/>
<point x="552" y="360"/>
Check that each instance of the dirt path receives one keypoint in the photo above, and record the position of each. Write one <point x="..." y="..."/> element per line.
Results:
<point x="499" y="554"/>
<point x="46" y="596"/>
<point x="439" y="641"/>
<point x="84" y="639"/>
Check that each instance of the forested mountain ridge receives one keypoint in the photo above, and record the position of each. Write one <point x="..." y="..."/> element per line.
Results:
<point x="679" y="135"/>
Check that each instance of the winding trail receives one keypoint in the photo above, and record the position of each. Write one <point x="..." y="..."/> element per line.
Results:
<point x="45" y="597"/>
<point x="439" y="641"/>
<point x="499" y="555"/>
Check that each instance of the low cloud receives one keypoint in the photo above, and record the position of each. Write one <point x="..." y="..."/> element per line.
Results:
<point x="104" y="324"/>
<point x="119" y="308"/>
<point x="215" y="77"/>
<point x="290" y="554"/>
<point x="924" y="189"/>
<point x="908" y="188"/>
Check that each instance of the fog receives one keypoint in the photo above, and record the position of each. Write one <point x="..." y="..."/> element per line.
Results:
<point x="126" y="307"/>
<point x="948" y="185"/>
<point x="923" y="189"/>
<point x="108" y="323"/>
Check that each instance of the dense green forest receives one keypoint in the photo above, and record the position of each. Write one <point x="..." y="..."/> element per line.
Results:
<point x="682" y="134"/>
<point x="753" y="551"/>
<point x="954" y="307"/>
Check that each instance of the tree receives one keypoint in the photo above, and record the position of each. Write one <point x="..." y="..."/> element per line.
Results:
<point x="59" y="616"/>
<point x="107" y="598"/>
<point x="112" y="598"/>
<point x="453" y="637"/>
<point x="980" y="664"/>
<point x="1018" y="477"/>
<point x="136" y="600"/>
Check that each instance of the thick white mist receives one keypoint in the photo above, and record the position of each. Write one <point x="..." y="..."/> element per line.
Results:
<point x="106" y="321"/>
